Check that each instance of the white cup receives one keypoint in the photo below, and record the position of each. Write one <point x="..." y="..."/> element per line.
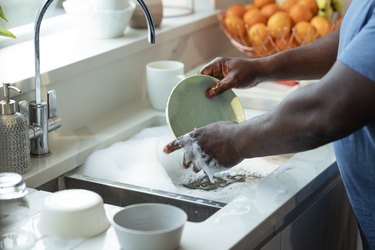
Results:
<point x="162" y="76"/>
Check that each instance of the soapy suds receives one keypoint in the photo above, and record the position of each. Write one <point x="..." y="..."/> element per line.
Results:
<point x="140" y="161"/>
<point x="198" y="158"/>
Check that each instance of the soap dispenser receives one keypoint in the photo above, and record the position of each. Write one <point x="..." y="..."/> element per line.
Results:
<point x="14" y="136"/>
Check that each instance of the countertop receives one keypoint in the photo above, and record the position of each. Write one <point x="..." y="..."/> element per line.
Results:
<point x="253" y="215"/>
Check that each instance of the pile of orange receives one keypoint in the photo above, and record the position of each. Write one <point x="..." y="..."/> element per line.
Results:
<point x="269" y="27"/>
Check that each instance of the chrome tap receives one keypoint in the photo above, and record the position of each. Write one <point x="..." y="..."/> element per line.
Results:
<point x="42" y="115"/>
<point x="150" y="22"/>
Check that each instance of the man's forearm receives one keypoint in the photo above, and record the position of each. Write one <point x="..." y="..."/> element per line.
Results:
<point x="341" y="103"/>
<point x="311" y="61"/>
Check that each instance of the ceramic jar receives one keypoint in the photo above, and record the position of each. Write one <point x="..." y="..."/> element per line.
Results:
<point x="138" y="19"/>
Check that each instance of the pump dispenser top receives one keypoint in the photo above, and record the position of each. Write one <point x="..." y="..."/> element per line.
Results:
<point x="7" y="106"/>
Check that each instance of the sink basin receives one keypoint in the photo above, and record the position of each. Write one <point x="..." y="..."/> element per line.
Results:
<point x="122" y="194"/>
<point x="144" y="174"/>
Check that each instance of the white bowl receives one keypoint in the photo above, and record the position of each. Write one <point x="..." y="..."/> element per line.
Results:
<point x="110" y="4"/>
<point x="149" y="226"/>
<point x="73" y="213"/>
<point x="97" y="23"/>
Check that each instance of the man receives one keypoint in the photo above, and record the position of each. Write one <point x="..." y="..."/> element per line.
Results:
<point x="340" y="108"/>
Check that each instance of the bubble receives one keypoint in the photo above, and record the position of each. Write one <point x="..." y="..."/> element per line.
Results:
<point x="201" y="160"/>
<point x="140" y="161"/>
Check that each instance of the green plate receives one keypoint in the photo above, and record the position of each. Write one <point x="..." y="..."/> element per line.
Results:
<point x="189" y="108"/>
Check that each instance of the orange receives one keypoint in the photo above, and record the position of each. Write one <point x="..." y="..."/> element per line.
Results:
<point x="235" y="10"/>
<point x="258" y="34"/>
<point x="252" y="17"/>
<point x="282" y="12"/>
<point x="235" y="26"/>
<point x="300" y="13"/>
<point x="279" y="24"/>
<point x="250" y="6"/>
<point x="269" y="9"/>
<point x="285" y="43"/>
<point x="261" y="3"/>
<point x="287" y="4"/>
<point x="313" y="6"/>
<point x="304" y="32"/>
<point x="322" y="25"/>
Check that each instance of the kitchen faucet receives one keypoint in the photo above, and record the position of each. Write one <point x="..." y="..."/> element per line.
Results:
<point x="42" y="114"/>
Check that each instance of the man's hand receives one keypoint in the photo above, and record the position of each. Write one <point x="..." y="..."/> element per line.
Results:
<point x="216" y="141"/>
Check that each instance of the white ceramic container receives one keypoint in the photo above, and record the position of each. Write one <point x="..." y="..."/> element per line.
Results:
<point x="98" y="23"/>
<point x="100" y="4"/>
<point x="149" y="226"/>
<point x="73" y="213"/>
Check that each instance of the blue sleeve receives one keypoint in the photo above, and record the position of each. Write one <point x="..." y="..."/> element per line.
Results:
<point x="359" y="54"/>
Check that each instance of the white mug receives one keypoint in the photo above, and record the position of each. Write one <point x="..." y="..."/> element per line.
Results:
<point x="162" y="76"/>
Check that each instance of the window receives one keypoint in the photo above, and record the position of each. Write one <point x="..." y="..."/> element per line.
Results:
<point x="21" y="12"/>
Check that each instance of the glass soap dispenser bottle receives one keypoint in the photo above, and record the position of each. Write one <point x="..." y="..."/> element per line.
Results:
<point x="15" y="213"/>
<point x="14" y="136"/>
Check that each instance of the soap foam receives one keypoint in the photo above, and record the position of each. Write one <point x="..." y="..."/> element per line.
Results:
<point x="141" y="161"/>
<point x="199" y="158"/>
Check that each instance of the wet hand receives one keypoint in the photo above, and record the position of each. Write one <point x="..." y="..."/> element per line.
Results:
<point x="210" y="146"/>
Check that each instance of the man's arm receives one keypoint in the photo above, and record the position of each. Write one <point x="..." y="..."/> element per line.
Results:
<point x="310" y="61"/>
<point x="341" y="103"/>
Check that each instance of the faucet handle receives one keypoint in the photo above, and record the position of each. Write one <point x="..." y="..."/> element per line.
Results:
<point x="52" y="105"/>
<point x="24" y="109"/>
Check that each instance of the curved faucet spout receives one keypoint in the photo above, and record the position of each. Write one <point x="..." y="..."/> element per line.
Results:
<point x="150" y="22"/>
<point x="42" y="115"/>
<point x="40" y="112"/>
<point x="38" y="22"/>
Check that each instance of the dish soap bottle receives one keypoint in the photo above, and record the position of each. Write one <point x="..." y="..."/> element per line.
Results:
<point x="14" y="136"/>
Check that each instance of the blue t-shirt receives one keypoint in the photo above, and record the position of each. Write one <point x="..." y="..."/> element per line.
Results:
<point x="355" y="154"/>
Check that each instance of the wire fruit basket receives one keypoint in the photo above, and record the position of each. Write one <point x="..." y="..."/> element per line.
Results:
<point x="286" y="39"/>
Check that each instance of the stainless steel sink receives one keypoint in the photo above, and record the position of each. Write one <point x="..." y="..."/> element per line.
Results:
<point x="121" y="194"/>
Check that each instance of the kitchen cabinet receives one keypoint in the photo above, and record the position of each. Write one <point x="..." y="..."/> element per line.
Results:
<point x="327" y="223"/>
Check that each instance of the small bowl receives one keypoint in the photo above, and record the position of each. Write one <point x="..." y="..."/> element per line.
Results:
<point x="98" y="23"/>
<point x="73" y="213"/>
<point x="149" y="226"/>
